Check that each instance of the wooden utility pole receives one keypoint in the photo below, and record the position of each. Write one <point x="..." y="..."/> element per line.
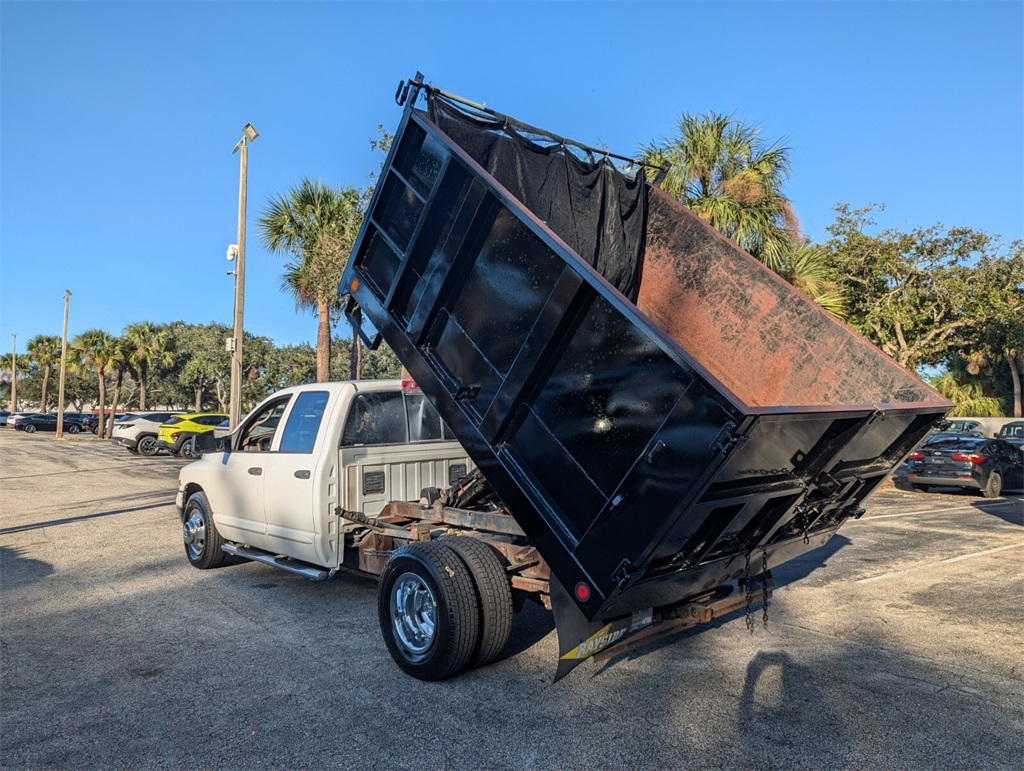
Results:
<point x="63" y="366"/>
<point x="14" y="373"/>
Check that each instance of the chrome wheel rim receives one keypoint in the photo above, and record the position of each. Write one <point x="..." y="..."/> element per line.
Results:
<point x="194" y="530"/>
<point x="413" y="615"/>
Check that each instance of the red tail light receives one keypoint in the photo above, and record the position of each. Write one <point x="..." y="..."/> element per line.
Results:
<point x="969" y="457"/>
<point x="410" y="385"/>
<point x="176" y="434"/>
<point x="916" y="456"/>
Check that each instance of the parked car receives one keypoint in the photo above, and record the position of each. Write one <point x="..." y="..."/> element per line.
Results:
<point x="1013" y="433"/>
<point x="3" y="417"/>
<point x="137" y="432"/>
<point x="92" y="422"/>
<point x="988" y="465"/>
<point x="16" y="417"/>
<point x="32" y="423"/>
<point x="178" y="434"/>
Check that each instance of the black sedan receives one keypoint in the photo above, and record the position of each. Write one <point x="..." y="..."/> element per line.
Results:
<point x="988" y="465"/>
<point x="32" y="423"/>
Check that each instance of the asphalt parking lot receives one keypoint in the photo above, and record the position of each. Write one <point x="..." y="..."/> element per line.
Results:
<point x="896" y="645"/>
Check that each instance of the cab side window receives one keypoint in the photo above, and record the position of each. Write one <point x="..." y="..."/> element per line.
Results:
<point x="424" y="422"/>
<point x="304" y="422"/>
<point x="393" y="417"/>
<point x="258" y="432"/>
<point x="376" y="418"/>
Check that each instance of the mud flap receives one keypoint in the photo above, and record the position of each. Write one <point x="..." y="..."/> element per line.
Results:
<point x="578" y="638"/>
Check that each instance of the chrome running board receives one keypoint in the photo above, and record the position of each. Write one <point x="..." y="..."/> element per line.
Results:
<point x="300" y="568"/>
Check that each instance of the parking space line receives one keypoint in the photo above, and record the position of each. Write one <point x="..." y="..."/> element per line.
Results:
<point x="981" y="507"/>
<point x="947" y="561"/>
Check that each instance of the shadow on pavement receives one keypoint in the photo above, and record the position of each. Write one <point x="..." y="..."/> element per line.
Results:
<point x="18" y="571"/>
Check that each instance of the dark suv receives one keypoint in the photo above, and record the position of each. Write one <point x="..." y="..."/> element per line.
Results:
<point x="988" y="465"/>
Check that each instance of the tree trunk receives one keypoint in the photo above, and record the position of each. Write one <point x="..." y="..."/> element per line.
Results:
<point x="356" y="354"/>
<point x="323" y="343"/>
<point x="46" y="383"/>
<point x="199" y="399"/>
<point x="1011" y="359"/>
<point x="142" y="387"/>
<point x="109" y="428"/>
<point x="102" y="419"/>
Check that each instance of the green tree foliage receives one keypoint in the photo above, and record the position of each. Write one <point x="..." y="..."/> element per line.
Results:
<point x="316" y="225"/>
<point x="725" y="173"/>
<point x="969" y="398"/>
<point x="936" y="296"/>
<point x="147" y="345"/>
<point x="95" y="350"/>
<point x="204" y="364"/>
<point x="44" y="352"/>
<point x="914" y="294"/>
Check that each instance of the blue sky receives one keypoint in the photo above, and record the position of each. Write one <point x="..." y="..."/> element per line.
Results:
<point x="117" y="121"/>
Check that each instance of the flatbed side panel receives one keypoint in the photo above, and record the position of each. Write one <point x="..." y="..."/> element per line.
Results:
<point x="738" y="318"/>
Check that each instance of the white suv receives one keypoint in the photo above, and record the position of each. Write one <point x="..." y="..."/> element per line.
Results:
<point x="138" y="433"/>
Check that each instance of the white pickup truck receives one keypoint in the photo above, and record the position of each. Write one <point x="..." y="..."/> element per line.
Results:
<point x="321" y="477"/>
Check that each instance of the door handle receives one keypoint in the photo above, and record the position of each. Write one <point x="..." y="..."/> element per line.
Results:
<point x="255" y="471"/>
<point x="302" y="474"/>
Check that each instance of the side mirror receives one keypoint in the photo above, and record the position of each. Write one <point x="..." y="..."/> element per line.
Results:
<point x="223" y="444"/>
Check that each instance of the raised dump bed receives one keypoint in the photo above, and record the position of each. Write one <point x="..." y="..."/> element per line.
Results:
<point x="688" y="421"/>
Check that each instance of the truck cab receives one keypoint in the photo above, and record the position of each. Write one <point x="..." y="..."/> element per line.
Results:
<point x="308" y="452"/>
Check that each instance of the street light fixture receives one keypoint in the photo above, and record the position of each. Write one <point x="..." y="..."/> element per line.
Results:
<point x="249" y="133"/>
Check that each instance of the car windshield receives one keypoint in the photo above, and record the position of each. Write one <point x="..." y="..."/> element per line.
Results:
<point x="1016" y="431"/>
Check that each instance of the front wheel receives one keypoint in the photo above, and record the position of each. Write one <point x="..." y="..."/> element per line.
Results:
<point x="428" y="611"/>
<point x="190" y="448"/>
<point x="73" y="429"/>
<point x="30" y="429"/>
<point x="993" y="487"/>
<point x="202" y="541"/>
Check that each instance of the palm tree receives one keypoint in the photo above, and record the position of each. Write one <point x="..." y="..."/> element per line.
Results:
<point x="969" y="398"/>
<point x="316" y="224"/>
<point x="119" y="363"/>
<point x="722" y="170"/>
<point x="44" y="350"/>
<point x="806" y="267"/>
<point x="95" y="349"/>
<point x="147" y="345"/>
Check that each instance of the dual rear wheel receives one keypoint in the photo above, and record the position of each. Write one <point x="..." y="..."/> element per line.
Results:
<point x="444" y="605"/>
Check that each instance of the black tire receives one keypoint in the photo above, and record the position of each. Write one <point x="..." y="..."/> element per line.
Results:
<point x="494" y="593"/>
<point x="993" y="487"/>
<point x="428" y="611"/>
<point x="73" y="429"/>
<point x="920" y="488"/>
<point x="202" y="541"/>
<point x="190" y="449"/>
<point x="30" y="429"/>
<point x="147" y="445"/>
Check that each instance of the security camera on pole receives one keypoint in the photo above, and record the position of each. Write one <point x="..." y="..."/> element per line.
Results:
<point x="248" y="135"/>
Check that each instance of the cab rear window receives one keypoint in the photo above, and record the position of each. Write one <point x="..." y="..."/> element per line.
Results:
<point x="393" y="417"/>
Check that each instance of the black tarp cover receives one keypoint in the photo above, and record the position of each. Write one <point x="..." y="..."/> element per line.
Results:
<point x="599" y="211"/>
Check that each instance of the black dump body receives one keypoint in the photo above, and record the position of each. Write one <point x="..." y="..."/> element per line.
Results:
<point x="698" y="420"/>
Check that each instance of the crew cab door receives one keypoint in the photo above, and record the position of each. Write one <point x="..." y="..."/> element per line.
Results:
<point x="239" y="501"/>
<point x="300" y="491"/>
